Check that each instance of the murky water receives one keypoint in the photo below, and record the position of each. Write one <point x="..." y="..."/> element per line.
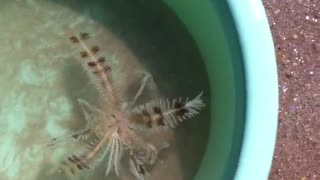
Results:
<point x="41" y="78"/>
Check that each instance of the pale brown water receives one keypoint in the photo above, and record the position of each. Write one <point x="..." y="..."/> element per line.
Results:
<point x="41" y="78"/>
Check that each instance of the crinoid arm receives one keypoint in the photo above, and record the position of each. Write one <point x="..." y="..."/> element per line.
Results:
<point x="91" y="115"/>
<point x="149" y="155"/>
<point x="140" y="157"/>
<point x="138" y="169"/>
<point x="96" y="67"/>
<point x="140" y="148"/>
<point x="69" y="137"/>
<point x="97" y="151"/>
<point x="147" y="78"/>
<point x="141" y="153"/>
<point x="114" y="154"/>
<point x="163" y="113"/>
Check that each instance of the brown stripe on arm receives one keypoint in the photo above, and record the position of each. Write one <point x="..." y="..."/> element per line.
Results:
<point x="77" y="162"/>
<point x="95" y="69"/>
<point x="107" y="68"/>
<point x="75" y="158"/>
<point x="84" y="35"/>
<point x="95" y="49"/>
<point x="79" y="167"/>
<point x="92" y="64"/>
<point x="141" y="169"/>
<point x="101" y="59"/>
<point x="159" y="118"/>
<point x="74" y="39"/>
<point x="180" y="109"/>
<point x="84" y="54"/>
<point x="72" y="160"/>
<point x="98" y="70"/>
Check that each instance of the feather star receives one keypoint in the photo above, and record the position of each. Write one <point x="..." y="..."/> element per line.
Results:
<point x="111" y="132"/>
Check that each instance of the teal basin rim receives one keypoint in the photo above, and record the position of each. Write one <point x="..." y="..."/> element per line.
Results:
<point x="261" y="86"/>
<point x="248" y="21"/>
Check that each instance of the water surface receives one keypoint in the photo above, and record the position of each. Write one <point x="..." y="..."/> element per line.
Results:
<point x="41" y="78"/>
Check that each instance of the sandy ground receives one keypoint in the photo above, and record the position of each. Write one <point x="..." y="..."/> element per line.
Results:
<point x="296" y="32"/>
